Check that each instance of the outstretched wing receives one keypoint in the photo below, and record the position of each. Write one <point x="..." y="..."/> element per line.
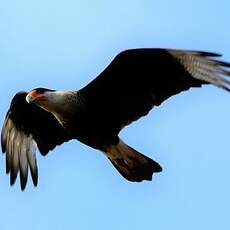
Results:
<point x="25" y="128"/>
<point x="138" y="79"/>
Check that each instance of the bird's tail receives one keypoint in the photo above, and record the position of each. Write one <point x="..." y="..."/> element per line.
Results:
<point x="131" y="164"/>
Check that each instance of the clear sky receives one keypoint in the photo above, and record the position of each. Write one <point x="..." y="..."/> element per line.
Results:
<point x="65" y="44"/>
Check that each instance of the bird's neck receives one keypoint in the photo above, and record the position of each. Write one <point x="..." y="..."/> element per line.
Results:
<point x="62" y="104"/>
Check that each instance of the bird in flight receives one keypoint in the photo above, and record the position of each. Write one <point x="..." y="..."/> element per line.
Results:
<point x="129" y="87"/>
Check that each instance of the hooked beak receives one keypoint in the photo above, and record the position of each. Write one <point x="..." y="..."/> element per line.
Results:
<point x="34" y="96"/>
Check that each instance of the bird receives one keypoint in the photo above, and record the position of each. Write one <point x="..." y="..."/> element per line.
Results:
<point x="135" y="81"/>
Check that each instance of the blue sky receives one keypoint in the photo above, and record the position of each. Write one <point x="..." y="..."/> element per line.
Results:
<point x="64" y="45"/>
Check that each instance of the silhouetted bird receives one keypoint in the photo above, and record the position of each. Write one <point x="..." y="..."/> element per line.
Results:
<point x="134" y="82"/>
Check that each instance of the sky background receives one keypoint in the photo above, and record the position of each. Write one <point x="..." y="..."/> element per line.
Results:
<point x="64" y="45"/>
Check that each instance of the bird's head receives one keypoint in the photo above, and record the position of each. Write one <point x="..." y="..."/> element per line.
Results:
<point x="45" y="98"/>
<point x="50" y="100"/>
<point x="39" y="96"/>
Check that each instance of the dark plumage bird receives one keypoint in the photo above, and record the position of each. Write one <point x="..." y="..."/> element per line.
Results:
<point x="134" y="82"/>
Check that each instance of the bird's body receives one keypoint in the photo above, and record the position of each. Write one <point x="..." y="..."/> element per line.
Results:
<point x="134" y="82"/>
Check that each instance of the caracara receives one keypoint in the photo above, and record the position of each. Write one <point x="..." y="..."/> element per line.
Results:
<point x="133" y="83"/>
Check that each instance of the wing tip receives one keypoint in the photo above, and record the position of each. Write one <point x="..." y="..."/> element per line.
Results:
<point x="223" y="63"/>
<point x="34" y="176"/>
<point x="3" y="134"/>
<point x="3" y="144"/>
<point x="13" y="177"/>
<point x="177" y="52"/>
<point x="209" y="54"/>
<point x="23" y="181"/>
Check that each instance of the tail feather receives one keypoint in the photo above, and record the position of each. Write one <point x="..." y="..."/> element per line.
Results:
<point x="131" y="164"/>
